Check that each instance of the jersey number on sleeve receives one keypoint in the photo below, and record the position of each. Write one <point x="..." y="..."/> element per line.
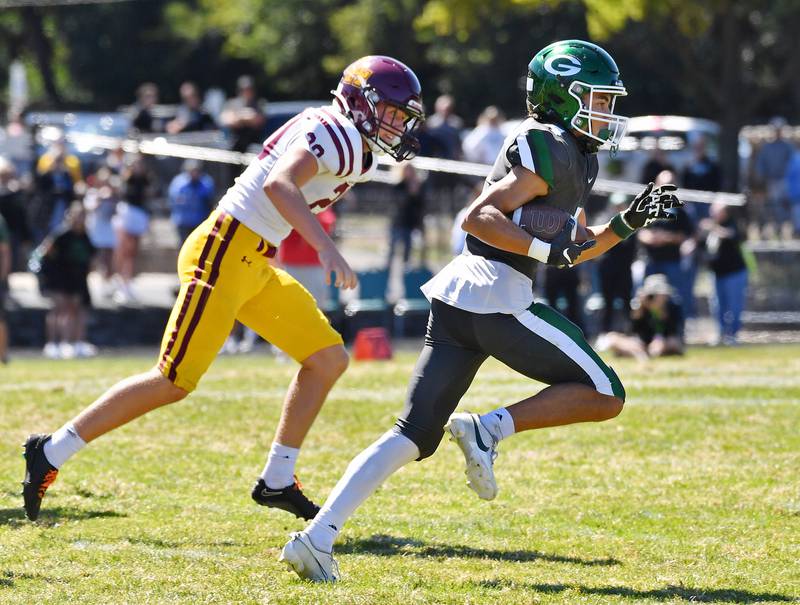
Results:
<point x="315" y="147"/>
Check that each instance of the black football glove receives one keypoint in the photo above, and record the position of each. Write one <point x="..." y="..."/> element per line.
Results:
<point x="564" y="250"/>
<point x="651" y="205"/>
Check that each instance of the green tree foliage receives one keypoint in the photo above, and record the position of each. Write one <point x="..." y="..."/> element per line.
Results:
<point x="730" y="60"/>
<point x="95" y="55"/>
<point x="28" y="34"/>
<point x="133" y="43"/>
<point x="288" y="41"/>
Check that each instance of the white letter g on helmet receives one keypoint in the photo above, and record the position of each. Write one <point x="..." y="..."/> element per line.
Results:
<point x="562" y="65"/>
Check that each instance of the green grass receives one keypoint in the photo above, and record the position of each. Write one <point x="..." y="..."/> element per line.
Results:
<point x="692" y="494"/>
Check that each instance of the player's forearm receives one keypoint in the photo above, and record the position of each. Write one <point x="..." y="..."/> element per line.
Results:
<point x="257" y="120"/>
<point x="490" y="225"/>
<point x="5" y="261"/>
<point x="605" y="238"/>
<point x="289" y="201"/>
<point x="673" y="238"/>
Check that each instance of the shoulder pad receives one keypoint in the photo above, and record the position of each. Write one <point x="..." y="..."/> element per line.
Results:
<point x="540" y="148"/>
<point x="336" y="142"/>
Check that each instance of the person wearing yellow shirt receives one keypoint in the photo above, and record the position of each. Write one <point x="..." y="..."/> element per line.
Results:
<point x="49" y="158"/>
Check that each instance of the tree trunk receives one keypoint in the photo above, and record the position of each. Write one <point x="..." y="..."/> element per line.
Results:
<point x="732" y="87"/>
<point x="42" y="50"/>
<point x="731" y="123"/>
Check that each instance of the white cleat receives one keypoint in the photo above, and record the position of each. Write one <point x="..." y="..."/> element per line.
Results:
<point x="307" y="561"/>
<point x="479" y="451"/>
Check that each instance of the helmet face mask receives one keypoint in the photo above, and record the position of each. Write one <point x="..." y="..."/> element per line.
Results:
<point x="564" y="80"/>
<point x="391" y="133"/>
<point x="613" y="126"/>
<point x="372" y="91"/>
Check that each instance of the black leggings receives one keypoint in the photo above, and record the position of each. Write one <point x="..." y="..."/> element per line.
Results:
<point x="538" y="343"/>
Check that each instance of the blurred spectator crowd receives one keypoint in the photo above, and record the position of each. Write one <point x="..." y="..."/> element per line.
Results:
<point x="61" y="217"/>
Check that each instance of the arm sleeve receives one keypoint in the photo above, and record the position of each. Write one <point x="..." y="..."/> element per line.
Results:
<point x="208" y="183"/>
<point x="792" y="178"/>
<point x="174" y="187"/>
<point x="673" y="324"/>
<point x="639" y="327"/>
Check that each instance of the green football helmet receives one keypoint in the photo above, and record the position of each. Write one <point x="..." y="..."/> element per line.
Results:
<point x="562" y="81"/>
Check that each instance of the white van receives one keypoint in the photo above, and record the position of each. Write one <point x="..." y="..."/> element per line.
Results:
<point x="672" y="135"/>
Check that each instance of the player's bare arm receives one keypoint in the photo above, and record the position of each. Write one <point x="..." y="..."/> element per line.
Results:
<point x="486" y="218"/>
<point x="652" y="204"/>
<point x="604" y="237"/>
<point x="293" y="170"/>
<point x="5" y="261"/>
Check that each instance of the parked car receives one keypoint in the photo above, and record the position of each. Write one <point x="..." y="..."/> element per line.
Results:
<point x="46" y="126"/>
<point x="279" y="112"/>
<point x="671" y="134"/>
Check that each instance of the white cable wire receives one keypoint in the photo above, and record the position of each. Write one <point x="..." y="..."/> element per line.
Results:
<point x="160" y="146"/>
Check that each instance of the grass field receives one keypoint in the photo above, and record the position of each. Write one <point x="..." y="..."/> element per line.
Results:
<point x="692" y="494"/>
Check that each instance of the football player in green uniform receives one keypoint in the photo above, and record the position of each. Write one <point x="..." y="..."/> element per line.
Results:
<point x="482" y="302"/>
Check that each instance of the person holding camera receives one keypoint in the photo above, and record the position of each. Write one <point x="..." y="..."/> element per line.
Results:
<point x="656" y="323"/>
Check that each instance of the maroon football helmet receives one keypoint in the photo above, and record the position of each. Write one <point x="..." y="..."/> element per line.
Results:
<point x="373" y="79"/>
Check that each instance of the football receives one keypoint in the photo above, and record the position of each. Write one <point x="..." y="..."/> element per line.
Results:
<point x="544" y="222"/>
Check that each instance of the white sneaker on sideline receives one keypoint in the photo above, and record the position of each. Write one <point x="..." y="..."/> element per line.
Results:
<point x="124" y="294"/>
<point x="51" y="351"/>
<point x="230" y="346"/>
<point x="479" y="449"/>
<point x="245" y="346"/>
<point x="66" y="350"/>
<point x="85" y="349"/>
<point x="307" y="561"/>
<point x="107" y="289"/>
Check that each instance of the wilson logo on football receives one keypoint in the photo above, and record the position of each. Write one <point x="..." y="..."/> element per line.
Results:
<point x="546" y="223"/>
<point x="562" y="65"/>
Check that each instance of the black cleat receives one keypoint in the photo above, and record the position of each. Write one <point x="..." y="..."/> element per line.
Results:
<point x="291" y="499"/>
<point x="39" y="474"/>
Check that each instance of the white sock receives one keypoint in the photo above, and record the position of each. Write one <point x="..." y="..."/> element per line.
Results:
<point x="365" y="473"/>
<point x="279" y="470"/>
<point x="62" y="445"/>
<point x="499" y="423"/>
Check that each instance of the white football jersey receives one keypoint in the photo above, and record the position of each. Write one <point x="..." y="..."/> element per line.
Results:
<point x="339" y="149"/>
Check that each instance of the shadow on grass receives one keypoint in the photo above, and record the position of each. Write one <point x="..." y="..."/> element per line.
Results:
<point x="176" y="545"/>
<point x="389" y="546"/>
<point x="8" y="579"/>
<point x="52" y="515"/>
<point x="668" y="593"/>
